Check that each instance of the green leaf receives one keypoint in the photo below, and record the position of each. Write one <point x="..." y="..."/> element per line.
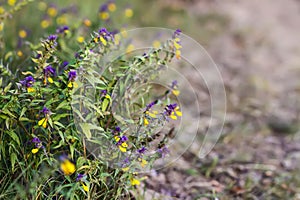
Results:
<point x="14" y="136"/>
<point x="105" y="104"/>
<point x="13" y="158"/>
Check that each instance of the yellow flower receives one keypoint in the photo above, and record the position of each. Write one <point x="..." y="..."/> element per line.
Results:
<point x="125" y="169"/>
<point x="1" y="26"/>
<point x="176" y="44"/>
<point x="62" y="20"/>
<point x="52" y="11"/>
<point x="130" y="48"/>
<point x="45" y="23"/>
<point x="43" y="122"/>
<point x="87" y="22"/>
<point x="134" y="181"/>
<point x="117" y="39"/>
<point x="146" y="122"/>
<point x="104" y="42"/>
<point x="22" y="34"/>
<point x="178" y="112"/>
<point x="104" y="15"/>
<point x="42" y="6"/>
<point x="67" y="167"/>
<point x="128" y="13"/>
<point x="156" y="44"/>
<point x="143" y="162"/>
<point x="20" y="53"/>
<point x="85" y="187"/>
<point x="34" y="151"/>
<point x="80" y="39"/>
<point x="176" y="92"/>
<point x="72" y="84"/>
<point x="152" y="113"/>
<point x="122" y="149"/>
<point x="50" y="80"/>
<point x="112" y="7"/>
<point x="30" y="89"/>
<point x="11" y="2"/>
<point x="2" y="10"/>
<point x="178" y="54"/>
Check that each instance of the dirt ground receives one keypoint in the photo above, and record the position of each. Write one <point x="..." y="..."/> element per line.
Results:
<point x="258" y="154"/>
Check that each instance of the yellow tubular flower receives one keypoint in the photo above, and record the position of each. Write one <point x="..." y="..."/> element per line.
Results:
<point x="173" y="116"/>
<point x="104" y="42"/>
<point x="125" y="169"/>
<point x="43" y="122"/>
<point x="134" y="181"/>
<point x="85" y="187"/>
<point x="176" y="92"/>
<point x="178" y="112"/>
<point x="122" y="149"/>
<point x="67" y="167"/>
<point x="50" y="80"/>
<point x="30" y="89"/>
<point x="146" y="122"/>
<point x="143" y="162"/>
<point x="34" y="151"/>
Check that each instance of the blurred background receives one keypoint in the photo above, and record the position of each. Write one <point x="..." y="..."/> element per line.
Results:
<point x="256" y="46"/>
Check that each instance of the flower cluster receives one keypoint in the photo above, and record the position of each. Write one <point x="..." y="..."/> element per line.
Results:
<point x="105" y="8"/>
<point x="37" y="145"/>
<point x="48" y="72"/>
<point x="121" y="142"/>
<point x="28" y="83"/>
<point x="177" y="43"/>
<point x="72" y="76"/>
<point x="43" y="122"/>
<point x="172" y="111"/>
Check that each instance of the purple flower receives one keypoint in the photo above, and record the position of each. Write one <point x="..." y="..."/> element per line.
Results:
<point x="46" y="111"/>
<point x="78" y="56"/>
<point x="174" y="84"/>
<point x="64" y="64"/>
<point x="170" y="108"/>
<point x="79" y="177"/>
<point x="36" y="140"/>
<point x="38" y="56"/>
<point x="150" y="105"/>
<point x="118" y="129"/>
<point x="176" y="33"/>
<point x="163" y="151"/>
<point x="103" y="8"/>
<point x="52" y="38"/>
<point x="103" y="31"/>
<point x="49" y="70"/>
<point x="62" y="29"/>
<point x="28" y="81"/>
<point x="72" y="75"/>
<point x="122" y="139"/>
<point x="103" y="92"/>
<point x="142" y="150"/>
